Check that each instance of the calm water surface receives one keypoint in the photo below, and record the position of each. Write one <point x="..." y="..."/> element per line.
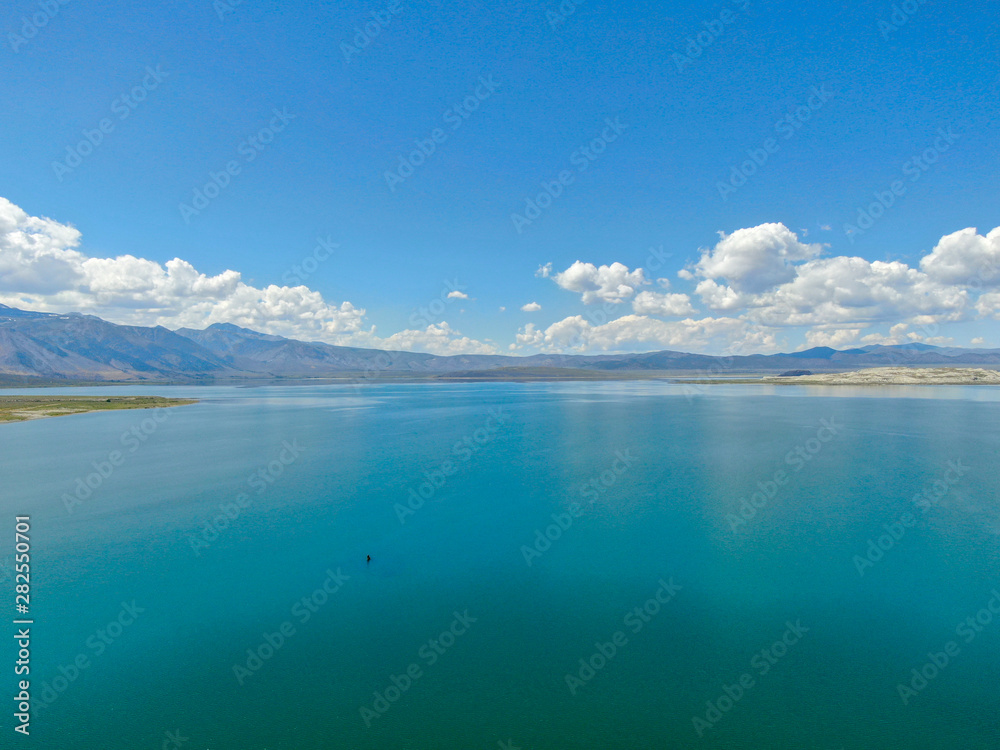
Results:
<point x="550" y="512"/>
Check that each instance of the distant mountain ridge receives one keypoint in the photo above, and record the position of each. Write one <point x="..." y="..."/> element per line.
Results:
<point x="44" y="347"/>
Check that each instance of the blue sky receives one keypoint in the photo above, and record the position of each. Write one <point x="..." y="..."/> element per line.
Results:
<point x="687" y="110"/>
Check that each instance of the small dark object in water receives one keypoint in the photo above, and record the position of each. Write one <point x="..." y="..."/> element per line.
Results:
<point x="794" y="373"/>
<point x="369" y="558"/>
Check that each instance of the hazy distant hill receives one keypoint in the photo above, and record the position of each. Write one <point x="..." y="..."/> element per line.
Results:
<point x="83" y="347"/>
<point x="49" y="347"/>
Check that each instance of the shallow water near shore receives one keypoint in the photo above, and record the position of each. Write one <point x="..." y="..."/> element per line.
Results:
<point x="513" y="528"/>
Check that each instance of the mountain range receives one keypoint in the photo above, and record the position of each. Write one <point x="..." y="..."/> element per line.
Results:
<point x="43" y="348"/>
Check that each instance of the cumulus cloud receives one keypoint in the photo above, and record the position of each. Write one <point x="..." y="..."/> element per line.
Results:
<point x="37" y="255"/>
<point x="845" y="290"/>
<point x="719" y="297"/>
<point x="614" y="283"/>
<point x="437" y="338"/>
<point x="768" y="279"/>
<point x="772" y="279"/>
<point x="41" y="268"/>
<point x="758" y="283"/>
<point x="988" y="305"/>
<point x="900" y="334"/>
<point x="755" y="259"/>
<point x="577" y="334"/>
<point x="666" y="305"/>
<point x="966" y="258"/>
<point x="897" y="335"/>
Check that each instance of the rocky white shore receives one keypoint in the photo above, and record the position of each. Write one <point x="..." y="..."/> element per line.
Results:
<point x="897" y="376"/>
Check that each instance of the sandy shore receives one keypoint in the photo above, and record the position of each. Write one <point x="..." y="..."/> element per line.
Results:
<point x="897" y="376"/>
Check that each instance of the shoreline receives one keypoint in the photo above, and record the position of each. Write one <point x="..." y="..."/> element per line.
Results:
<point x="868" y="376"/>
<point x="18" y="409"/>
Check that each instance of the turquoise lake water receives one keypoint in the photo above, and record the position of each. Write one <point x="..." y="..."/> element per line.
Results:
<point x="776" y="623"/>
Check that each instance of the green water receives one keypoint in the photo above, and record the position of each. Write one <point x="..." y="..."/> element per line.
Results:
<point x="646" y="480"/>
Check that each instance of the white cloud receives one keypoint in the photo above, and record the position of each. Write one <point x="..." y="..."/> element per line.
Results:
<point x="966" y="258"/>
<point x="900" y="334"/>
<point x="765" y="277"/>
<point x="835" y="339"/>
<point x="530" y="337"/>
<point x="666" y="305"/>
<point x="978" y="341"/>
<point x="614" y="283"/>
<point x="37" y="255"/>
<point x="437" y="338"/>
<point x="576" y="334"/>
<point x="845" y="290"/>
<point x="840" y="293"/>
<point x="722" y="298"/>
<point x="755" y="259"/>
<point x="897" y="335"/>
<point x="42" y="269"/>
<point x="758" y="281"/>
<point x="988" y="305"/>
